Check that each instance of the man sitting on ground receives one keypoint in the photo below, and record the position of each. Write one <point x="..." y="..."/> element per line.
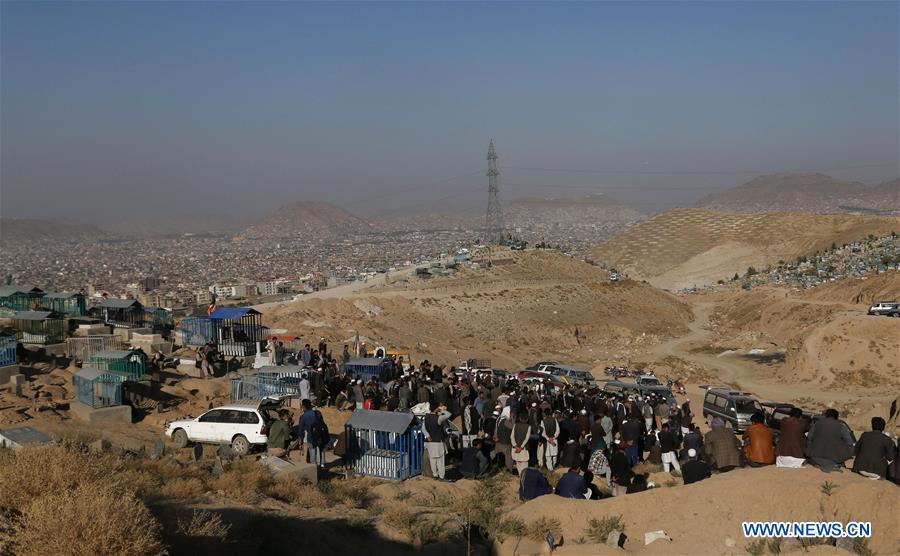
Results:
<point x="791" y="440"/>
<point x="694" y="470"/>
<point x="758" y="438"/>
<point x="721" y="447"/>
<point x="474" y="464"/>
<point x="873" y="451"/>
<point x="830" y="442"/>
<point x="571" y="485"/>
<point x="533" y="483"/>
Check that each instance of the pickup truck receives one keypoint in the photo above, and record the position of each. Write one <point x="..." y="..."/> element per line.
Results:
<point x="474" y="365"/>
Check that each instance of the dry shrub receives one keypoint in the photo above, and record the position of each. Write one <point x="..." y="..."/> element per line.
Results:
<point x="354" y="491"/>
<point x="36" y="469"/>
<point x="303" y="494"/>
<point x="203" y="524"/>
<point x="417" y="528"/>
<point x="537" y="530"/>
<point x="180" y="489"/>
<point x="144" y="485"/>
<point x="91" y="519"/>
<point x="245" y="481"/>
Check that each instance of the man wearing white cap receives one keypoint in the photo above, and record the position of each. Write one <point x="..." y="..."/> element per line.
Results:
<point x="694" y="470"/>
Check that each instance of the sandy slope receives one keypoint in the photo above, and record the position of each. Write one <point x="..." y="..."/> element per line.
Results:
<point x="705" y="518"/>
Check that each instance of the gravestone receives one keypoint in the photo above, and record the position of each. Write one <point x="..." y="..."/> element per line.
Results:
<point x="198" y="452"/>
<point x="158" y="450"/>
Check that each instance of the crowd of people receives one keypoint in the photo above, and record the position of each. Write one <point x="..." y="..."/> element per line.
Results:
<point x="524" y="429"/>
<point x="505" y="426"/>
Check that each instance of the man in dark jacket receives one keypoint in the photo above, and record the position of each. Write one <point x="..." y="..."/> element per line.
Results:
<point x="474" y="464"/>
<point x="721" y="447"/>
<point x="694" y="470"/>
<point x="533" y="483"/>
<point x="830" y="442"/>
<point x="571" y="485"/>
<point x="791" y="440"/>
<point x="873" y="451"/>
<point x="667" y="445"/>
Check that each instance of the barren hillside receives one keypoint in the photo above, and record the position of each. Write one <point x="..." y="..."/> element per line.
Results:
<point x="685" y="247"/>
<point x="526" y="307"/>
<point x="305" y="218"/>
<point x="826" y="339"/>
<point x="804" y="192"/>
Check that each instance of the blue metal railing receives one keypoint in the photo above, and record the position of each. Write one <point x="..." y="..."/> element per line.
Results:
<point x="7" y="350"/>
<point x="385" y="455"/>
<point x="260" y="385"/>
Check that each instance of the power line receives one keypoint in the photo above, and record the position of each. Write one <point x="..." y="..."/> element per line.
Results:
<point x="611" y="187"/>
<point x="694" y="172"/>
<point x="409" y="189"/>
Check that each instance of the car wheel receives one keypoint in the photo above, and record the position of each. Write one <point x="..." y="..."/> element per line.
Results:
<point x="180" y="439"/>
<point x="240" y="445"/>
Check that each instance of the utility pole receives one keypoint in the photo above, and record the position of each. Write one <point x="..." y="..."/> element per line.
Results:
<point x="494" y="221"/>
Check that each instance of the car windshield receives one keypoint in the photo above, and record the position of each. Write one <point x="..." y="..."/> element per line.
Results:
<point x="747" y="406"/>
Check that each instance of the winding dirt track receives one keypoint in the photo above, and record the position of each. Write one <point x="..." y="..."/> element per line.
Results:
<point x="733" y="372"/>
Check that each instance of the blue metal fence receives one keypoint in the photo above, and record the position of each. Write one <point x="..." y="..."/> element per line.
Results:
<point x="97" y="389"/>
<point x="7" y="350"/>
<point x="260" y="385"/>
<point x="197" y="331"/>
<point x="385" y="455"/>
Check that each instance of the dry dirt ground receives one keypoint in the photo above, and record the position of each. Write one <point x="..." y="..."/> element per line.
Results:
<point x="817" y="348"/>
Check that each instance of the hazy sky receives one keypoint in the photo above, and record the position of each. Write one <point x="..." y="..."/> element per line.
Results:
<point x="227" y="108"/>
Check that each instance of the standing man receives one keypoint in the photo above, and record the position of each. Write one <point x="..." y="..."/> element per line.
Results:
<point x="519" y="441"/>
<point x="279" y="434"/>
<point x="434" y="440"/>
<point x="305" y="355"/>
<point x="550" y="434"/>
<point x="667" y="445"/>
<point x="345" y="357"/>
<point x="305" y="430"/>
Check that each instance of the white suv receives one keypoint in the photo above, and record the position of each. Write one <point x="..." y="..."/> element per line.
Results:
<point x="243" y="425"/>
<point x="888" y="308"/>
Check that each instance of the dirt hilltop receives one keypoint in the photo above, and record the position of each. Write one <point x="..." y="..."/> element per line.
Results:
<point x="524" y="308"/>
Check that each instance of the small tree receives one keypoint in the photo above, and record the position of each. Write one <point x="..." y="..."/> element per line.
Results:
<point x="735" y="278"/>
<point x="751" y="271"/>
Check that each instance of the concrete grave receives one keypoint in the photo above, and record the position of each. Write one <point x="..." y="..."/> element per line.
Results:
<point x="284" y="470"/>
<point x="22" y="436"/>
<point x="7" y="372"/>
<point x="114" y="414"/>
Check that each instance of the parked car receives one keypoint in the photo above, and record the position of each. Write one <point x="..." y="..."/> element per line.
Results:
<point x="540" y="364"/>
<point x="778" y="412"/>
<point x="574" y="375"/>
<point x="648" y="380"/>
<point x="243" y="425"/>
<point x="885" y="308"/>
<point x="731" y="406"/>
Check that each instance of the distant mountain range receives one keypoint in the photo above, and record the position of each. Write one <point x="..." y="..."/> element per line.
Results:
<point x="593" y="208"/>
<point x="305" y="218"/>
<point x="806" y="192"/>
<point x="13" y="229"/>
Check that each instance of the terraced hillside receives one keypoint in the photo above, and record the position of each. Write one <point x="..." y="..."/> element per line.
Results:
<point x="686" y="247"/>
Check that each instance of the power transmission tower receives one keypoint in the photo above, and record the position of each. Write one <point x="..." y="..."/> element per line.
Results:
<point x="493" y="228"/>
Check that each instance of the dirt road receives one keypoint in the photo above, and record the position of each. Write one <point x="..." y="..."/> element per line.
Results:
<point x="734" y="372"/>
